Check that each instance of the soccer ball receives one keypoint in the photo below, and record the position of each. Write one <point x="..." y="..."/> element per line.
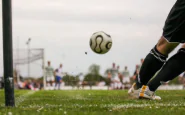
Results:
<point x="100" y="42"/>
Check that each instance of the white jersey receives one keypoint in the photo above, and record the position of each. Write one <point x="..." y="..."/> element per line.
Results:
<point x="126" y="76"/>
<point x="114" y="72"/>
<point x="126" y="73"/>
<point x="60" y="72"/>
<point x="49" y="71"/>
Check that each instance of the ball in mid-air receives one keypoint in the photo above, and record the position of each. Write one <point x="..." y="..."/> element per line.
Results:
<point x="100" y="42"/>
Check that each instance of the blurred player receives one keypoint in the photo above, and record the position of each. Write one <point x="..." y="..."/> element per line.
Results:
<point x="182" y="79"/>
<point x="142" y="60"/>
<point x="119" y="84"/>
<point x="49" y="75"/>
<point x="58" y="79"/>
<point x="126" y="77"/>
<point x="136" y="72"/>
<point x="60" y="71"/>
<point x="173" y="34"/>
<point x="109" y="80"/>
<point x="115" y="80"/>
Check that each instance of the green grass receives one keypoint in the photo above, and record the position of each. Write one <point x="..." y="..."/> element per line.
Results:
<point x="92" y="103"/>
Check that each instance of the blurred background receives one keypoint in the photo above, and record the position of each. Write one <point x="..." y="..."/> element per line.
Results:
<point x="59" y="31"/>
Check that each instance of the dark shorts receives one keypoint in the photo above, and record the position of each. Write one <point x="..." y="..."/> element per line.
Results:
<point x="174" y="28"/>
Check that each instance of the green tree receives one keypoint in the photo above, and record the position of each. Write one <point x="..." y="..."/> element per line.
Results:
<point x="94" y="69"/>
<point x="70" y="80"/>
<point x="94" y="75"/>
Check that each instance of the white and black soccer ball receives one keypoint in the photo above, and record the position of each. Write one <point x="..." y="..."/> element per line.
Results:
<point x="100" y="42"/>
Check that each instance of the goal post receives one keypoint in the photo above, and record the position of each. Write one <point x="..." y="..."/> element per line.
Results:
<point x="43" y="69"/>
<point x="24" y="57"/>
<point x="7" y="52"/>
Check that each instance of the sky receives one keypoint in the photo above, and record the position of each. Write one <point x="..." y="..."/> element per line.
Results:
<point x="64" y="27"/>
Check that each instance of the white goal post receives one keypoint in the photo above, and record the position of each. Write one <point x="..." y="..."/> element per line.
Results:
<point x="25" y="56"/>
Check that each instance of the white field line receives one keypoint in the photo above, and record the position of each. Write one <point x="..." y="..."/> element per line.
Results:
<point x="111" y="106"/>
<point x="40" y="109"/>
<point x="21" y="98"/>
<point x="132" y="105"/>
<point x="162" y="87"/>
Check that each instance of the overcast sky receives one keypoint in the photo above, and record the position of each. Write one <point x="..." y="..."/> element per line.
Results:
<point x="63" y="28"/>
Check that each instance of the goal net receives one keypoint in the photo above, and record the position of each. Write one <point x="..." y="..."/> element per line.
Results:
<point x="27" y="63"/>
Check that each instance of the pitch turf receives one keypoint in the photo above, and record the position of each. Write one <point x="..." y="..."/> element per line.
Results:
<point x="93" y="102"/>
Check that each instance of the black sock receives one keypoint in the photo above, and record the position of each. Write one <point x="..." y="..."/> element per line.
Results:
<point x="152" y="63"/>
<point x="173" y="67"/>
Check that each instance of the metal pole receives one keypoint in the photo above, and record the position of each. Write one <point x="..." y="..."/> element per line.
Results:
<point x="28" y="43"/>
<point x="43" y="67"/>
<point x="17" y="71"/>
<point x="28" y="60"/>
<point x="7" y="52"/>
<point x="17" y="65"/>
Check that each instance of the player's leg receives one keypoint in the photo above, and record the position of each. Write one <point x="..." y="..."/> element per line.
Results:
<point x="53" y="81"/>
<point x="55" y="85"/>
<point x="154" y="61"/>
<point x="173" y="67"/>
<point x="112" y="83"/>
<point x="48" y="81"/>
<point x="173" y="32"/>
<point x="58" y="85"/>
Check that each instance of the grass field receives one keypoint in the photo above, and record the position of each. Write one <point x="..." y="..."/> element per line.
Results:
<point x="92" y="103"/>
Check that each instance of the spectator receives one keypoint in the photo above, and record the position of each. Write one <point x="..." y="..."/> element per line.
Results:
<point x="101" y="83"/>
<point x="80" y="83"/>
<point x="28" y="85"/>
<point x="1" y="83"/>
<point x="41" y="85"/>
<point x="21" y="85"/>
